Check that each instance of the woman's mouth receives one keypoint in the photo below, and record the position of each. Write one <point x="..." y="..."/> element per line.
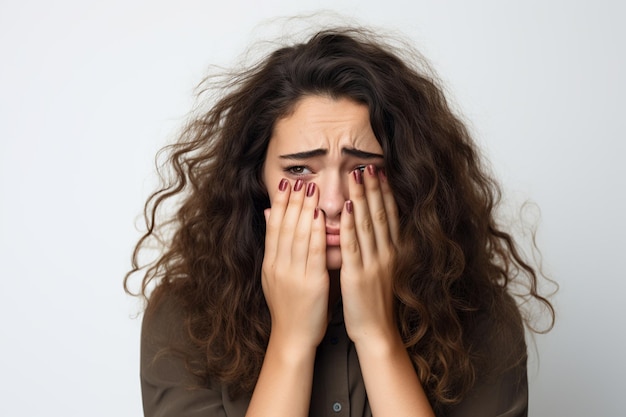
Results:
<point x="332" y="236"/>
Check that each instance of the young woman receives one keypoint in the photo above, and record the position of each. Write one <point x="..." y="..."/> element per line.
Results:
<point x="334" y="250"/>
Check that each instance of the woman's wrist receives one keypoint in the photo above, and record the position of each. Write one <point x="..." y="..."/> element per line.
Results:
<point x="380" y="344"/>
<point x="291" y="349"/>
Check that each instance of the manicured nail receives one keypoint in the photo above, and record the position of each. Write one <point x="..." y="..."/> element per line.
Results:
<point x="316" y="213"/>
<point x="298" y="185"/>
<point x="310" y="189"/>
<point x="283" y="184"/>
<point x="358" y="177"/>
<point x="349" y="206"/>
<point x="371" y="169"/>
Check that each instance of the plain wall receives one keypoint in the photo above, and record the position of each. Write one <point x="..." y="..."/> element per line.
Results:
<point x="89" y="91"/>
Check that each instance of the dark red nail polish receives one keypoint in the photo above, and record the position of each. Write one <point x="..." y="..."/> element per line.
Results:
<point x="298" y="185"/>
<point x="349" y="206"/>
<point x="316" y="213"/>
<point x="371" y="169"/>
<point x="383" y="174"/>
<point x="283" y="184"/>
<point x="358" y="177"/>
<point x="310" y="189"/>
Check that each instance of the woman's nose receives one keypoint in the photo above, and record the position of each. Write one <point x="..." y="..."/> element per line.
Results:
<point x="333" y="194"/>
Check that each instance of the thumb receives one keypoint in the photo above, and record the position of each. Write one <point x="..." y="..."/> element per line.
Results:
<point x="266" y="214"/>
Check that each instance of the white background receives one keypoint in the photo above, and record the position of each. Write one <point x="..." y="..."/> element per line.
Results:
<point x="89" y="91"/>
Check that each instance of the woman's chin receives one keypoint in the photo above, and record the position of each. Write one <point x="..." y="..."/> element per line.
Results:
<point x="333" y="258"/>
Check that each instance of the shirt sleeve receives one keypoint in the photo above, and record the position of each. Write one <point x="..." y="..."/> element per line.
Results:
<point x="168" y="388"/>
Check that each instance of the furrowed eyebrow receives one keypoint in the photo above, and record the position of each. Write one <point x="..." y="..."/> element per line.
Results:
<point x="360" y="154"/>
<point x="305" y="155"/>
<point x="321" y="152"/>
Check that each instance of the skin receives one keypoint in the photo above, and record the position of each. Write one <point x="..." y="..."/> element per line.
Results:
<point x="330" y="232"/>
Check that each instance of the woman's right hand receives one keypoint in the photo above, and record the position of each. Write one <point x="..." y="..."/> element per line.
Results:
<point x="294" y="275"/>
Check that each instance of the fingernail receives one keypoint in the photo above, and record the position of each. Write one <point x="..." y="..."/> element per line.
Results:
<point x="310" y="189"/>
<point x="298" y="185"/>
<point x="349" y="206"/>
<point x="383" y="174"/>
<point x="316" y="213"/>
<point x="371" y="169"/>
<point x="358" y="177"/>
<point x="283" y="184"/>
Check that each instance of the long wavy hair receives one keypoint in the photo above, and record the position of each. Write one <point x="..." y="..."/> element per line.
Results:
<point x="454" y="264"/>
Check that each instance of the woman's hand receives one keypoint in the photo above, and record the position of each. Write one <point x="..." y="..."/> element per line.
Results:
<point x="369" y="231"/>
<point x="295" y="284"/>
<point x="294" y="276"/>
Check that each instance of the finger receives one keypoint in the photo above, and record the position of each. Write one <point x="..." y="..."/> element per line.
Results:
<point x="274" y="219"/>
<point x="348" y="241"/>
<point x="391" y="208"/>
<point x="266" y="214"/>
<point x="290" y="219"/>
<point x="362" y="220"/>
<point x="302" y="233"/>
<point x="316" y="262"/>
<point x="377" y="209"/>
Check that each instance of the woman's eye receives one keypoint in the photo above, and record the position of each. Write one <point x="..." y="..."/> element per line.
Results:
<point x="360" y="168"/>
<point x="298" y="170"/>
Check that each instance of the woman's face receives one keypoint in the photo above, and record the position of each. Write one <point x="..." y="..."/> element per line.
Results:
<point x="322" y="141"/>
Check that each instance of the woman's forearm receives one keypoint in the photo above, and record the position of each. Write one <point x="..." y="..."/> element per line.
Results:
<point x="285" y="381"/>
<point x="393" y="388"/>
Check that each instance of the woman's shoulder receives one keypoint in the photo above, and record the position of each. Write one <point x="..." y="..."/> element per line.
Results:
<point x="498" y="347"/>
<point x="497" y="336"/>
<point x="163" y="320"/>
<point x="166" y="346"/>
<point x="170" y="362"/>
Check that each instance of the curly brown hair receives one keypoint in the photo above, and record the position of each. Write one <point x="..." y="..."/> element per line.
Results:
<point x="454" y="263"/>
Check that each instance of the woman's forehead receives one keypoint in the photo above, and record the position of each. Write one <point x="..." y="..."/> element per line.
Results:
<point x="319" y="122"/>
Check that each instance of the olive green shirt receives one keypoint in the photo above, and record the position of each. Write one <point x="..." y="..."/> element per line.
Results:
<point x="169" y="390"/>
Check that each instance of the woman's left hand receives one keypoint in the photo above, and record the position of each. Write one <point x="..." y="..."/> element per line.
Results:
<point x="368" y="236"/>
<point x="369" y="233"/>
